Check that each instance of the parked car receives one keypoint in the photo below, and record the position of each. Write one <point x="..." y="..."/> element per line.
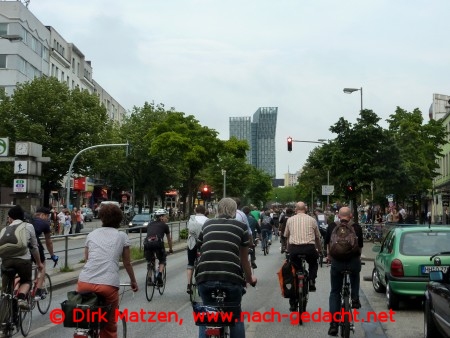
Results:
<point x="88" y="214"/>
<point x="140" y="220"/>
<point x="437" y="300"/>
<point x="402" y="265"/>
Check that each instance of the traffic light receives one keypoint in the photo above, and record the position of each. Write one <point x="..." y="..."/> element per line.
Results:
<point x="206" y="193"/>
<point x="350" y="188"/>
<point x="289" y="143"/>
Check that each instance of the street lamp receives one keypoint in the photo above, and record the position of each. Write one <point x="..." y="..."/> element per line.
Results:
<point x="351" y="90"/>
<point x="224" y="173"/>
<point x="11" y="37"/>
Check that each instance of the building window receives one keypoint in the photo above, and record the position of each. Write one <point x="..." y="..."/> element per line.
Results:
<point x="3" y="28"/>
<point x="2" y="61"/>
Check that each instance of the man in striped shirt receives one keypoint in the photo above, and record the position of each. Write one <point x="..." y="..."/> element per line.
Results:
<point x="303" y="238"/>
<point x="224" y="249"/>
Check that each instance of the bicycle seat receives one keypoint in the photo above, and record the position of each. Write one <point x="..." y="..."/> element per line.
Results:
<point x="10" y="272"/>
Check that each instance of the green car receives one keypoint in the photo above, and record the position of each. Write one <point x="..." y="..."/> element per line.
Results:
<point x="403" y="261"/>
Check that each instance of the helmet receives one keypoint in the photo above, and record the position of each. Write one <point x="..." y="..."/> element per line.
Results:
<point x="160" y="212"/>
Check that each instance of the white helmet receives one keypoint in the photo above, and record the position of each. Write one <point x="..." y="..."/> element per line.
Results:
<point x="161" y="212"/>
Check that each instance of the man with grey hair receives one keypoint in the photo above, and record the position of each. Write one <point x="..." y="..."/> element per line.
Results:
<point x="225" y="242"/>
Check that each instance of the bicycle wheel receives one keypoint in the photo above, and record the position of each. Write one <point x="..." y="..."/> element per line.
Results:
<point x="345" y="323"/>
<point x="149" y="283"/>
<point x="163" y="287"/>
<point x="25" y="317"/>
<point x="44" y="303"/>
<point x="300" y="304"/>
<point x="122" y="328"/>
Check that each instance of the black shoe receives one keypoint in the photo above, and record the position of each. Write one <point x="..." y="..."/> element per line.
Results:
<point x="254" y="266"/>
<point x="356" y="304"/>
<point x="333" y="330"/>
<point x="159" y="281"/>
<point x="312" y="286"/>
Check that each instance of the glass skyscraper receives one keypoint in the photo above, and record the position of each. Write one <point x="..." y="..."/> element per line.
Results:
<point x="260" y="135"/>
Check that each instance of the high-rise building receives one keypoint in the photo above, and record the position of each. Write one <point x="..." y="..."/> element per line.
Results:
<point x="260" y="135"/>
<point x="30" y="49"/>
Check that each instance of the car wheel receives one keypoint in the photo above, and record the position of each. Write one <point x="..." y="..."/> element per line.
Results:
<point x="392" y="298"/>
<point x="429" y="326"/>
<point x="376" y="282"/>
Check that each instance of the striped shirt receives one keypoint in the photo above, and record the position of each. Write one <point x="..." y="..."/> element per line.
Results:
<point x="222" y="240"/>
<point x="105" y="247"/>
<point x="301" y="229"/>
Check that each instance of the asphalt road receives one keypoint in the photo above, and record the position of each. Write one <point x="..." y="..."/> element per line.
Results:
<point x="265" y="298"/>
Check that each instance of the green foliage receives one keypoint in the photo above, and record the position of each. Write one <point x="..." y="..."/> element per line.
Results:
<point x="64" y="121"/>
<point x="184" y="233"/>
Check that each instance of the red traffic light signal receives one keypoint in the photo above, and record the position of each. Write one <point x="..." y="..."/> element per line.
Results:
<point x="289" y="143"/>
<point x="206" y="193"/>
<point x="350" y="187"/>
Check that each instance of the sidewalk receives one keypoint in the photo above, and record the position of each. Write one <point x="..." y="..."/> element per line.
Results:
<point x="61" y="279"/>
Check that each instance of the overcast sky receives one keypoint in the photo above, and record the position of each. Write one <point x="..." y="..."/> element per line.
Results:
<point x="216" y="59"/>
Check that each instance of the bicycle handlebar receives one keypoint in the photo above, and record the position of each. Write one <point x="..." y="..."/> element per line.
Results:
<point x="55" y="259"/>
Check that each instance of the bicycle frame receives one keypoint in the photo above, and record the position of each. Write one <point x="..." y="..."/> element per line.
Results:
<point x="302" y="286"/>
<point x="346" y="322"/>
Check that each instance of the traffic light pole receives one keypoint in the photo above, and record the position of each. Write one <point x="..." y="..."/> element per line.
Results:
<point x="69" y="174"/>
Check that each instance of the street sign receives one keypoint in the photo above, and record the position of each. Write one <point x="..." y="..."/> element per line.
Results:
<point x="327" y="189"/>
<point x="21" y="167"/>
<point x="20" y="185"/>
<point x="4" y="146"/>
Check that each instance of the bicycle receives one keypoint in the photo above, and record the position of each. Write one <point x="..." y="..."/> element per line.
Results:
<point x="265" y="241"/>
<point x="150" y="279"/>
<point x="302" y="285"/>
<point x="12" y="317"/>
<point x="346" y="324"/>
<point x="92" y="329"/>
<point x="44" y="300"/>
<point x="194" y="292"/>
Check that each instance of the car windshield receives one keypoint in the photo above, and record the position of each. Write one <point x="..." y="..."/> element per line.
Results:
<point x="424" y="243"/>
<point x="86" y="210"/>
<point x="141" y="217"/>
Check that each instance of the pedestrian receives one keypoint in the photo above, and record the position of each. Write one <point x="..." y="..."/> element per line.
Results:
<point x="104" y="248"/>
<point x="67" y="222"/>
<point x="352" y="263"/>
<point x="61" y="221"/>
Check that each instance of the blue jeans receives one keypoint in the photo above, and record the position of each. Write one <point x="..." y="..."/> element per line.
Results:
<point x="234" y="296"/>
<point x="266" y="233"/>
<point x="336" y="276"/>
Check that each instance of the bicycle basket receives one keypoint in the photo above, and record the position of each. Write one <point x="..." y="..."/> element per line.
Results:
<point x="212" y="315"/>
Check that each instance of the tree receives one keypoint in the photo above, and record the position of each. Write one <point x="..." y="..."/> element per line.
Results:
<point x="64" y="121"/>
<point x="184" y="148"/>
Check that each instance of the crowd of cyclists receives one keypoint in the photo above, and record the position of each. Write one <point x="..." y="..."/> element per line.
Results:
<point x="218" y="241"/>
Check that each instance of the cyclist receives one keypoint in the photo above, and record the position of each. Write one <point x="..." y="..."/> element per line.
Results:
<point x="195" y="225"/>
<point x="224" y="249"/>
<point x="337" y="266"/>
<point x="104" y="248"/>
<point x="22" y="264"/>
<point x="266" y="223"/>
<point x="154" y="242"/>
<point x="302" y="236"/>
<point x="254" y="227"/>
<point x="41" y="224"/>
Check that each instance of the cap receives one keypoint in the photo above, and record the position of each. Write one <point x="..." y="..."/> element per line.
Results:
<point x="160" y="212"/>
<point x="16" y="212"/>
<point x="43" y="210"/>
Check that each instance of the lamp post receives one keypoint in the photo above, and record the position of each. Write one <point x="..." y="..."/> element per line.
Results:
<point x="351" y="90"/>
<point x="224" y="173"/>
<point x="321" y="141"/>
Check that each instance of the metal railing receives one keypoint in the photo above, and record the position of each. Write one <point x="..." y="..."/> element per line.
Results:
<point x="175" y="229"/>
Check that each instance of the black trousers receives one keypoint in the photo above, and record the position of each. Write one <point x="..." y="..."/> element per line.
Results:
<point x="311" y="257"/>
